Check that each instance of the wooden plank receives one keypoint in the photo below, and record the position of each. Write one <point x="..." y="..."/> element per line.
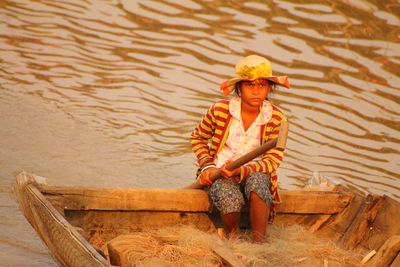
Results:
<point x="227" y="255"/>
<point x="386" y="253"/>
<point x="117" y="257"/>
<point x="64" y="242"/>
<point x="385" y="224"/>
<point x="91" y="198"/>
<point x="396" y="261"/>
<point x="313" y="202"/>
<point x="338" y="224"/>
<point x="361" y="226"/>
<point x="366" y="258"/>
<point x="319" y="222"/>
<point x="377" y="221"/>
<point x="305" y="220"/>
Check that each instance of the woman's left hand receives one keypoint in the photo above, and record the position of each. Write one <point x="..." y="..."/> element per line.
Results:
<point x="229" y="173"/>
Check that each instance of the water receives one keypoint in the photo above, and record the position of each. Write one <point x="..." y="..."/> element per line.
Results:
<point x="107" y="92"/>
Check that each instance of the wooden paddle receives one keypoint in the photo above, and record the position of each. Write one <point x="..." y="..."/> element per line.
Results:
<point x="279" y="142"/>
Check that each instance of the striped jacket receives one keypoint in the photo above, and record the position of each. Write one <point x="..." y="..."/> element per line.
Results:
<point x="209" y="137"/>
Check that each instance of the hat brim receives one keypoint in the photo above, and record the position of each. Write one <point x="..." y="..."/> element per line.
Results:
<point x="229" y="85"/>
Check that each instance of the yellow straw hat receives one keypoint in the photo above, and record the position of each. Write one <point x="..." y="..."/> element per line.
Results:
<point x="251" y="68"/>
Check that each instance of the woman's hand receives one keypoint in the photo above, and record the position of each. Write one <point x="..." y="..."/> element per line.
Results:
<point x="204" y="177"/>
<point x="229" y="173"/>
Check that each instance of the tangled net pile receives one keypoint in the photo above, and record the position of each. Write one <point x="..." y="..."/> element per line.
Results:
<point x="187" y="246"/>
<point x="295" y="246"/>
<point x="172" y="246"/>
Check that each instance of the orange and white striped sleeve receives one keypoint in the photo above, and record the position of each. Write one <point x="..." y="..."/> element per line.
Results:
<point x="200" y="138"/>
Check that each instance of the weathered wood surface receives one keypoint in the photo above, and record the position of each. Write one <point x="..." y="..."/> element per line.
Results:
<point x="314" y="222"/>
<point x="364" y="225"/>
<point x="385" y="224"/>
<point x="64" y="242"/>
<point x="377" y="220"/>
<point x="119" y="253"/>
<point x="361" y="225"/>
<point x="227" y="255"/>
<point x="355" y="221"/>
<point x="386" y="253"/>
<point x="184" y="200"/>
<point x="321" y="220"/>
<point x="92" y="198"/>
<point x="338" y="224"/>
<point x="313" y="202"/>
<point x="396" y="261"/>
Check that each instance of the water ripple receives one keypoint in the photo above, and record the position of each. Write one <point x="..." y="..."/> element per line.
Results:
<point x="144" y="72"/>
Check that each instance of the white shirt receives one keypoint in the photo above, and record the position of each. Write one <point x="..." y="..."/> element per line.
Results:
<point x="239" y="141"/>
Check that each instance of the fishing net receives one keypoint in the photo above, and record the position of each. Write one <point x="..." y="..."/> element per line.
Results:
<point x="187" y="246"/>
<point x="294" y="246"/>
<point x="172" y="246"/>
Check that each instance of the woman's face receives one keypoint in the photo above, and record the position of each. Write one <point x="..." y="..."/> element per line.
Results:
<point x="253" y="93"/>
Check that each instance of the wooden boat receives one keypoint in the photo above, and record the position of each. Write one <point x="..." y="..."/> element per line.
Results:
<point x="72" y="220"/>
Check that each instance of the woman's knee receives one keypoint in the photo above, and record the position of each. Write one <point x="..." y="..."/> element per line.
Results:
<point x="254" y="196"/>
<point x="226" y="196"/>
<point x="258" y="184"/>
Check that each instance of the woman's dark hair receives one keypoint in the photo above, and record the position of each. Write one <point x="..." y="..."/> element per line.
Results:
<point x="238" y="85"/>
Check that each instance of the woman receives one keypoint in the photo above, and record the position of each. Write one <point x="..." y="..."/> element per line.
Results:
<point x="230" y="129"/>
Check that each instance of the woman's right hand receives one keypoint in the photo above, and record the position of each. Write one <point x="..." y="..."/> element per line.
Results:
<point x="204" y="177"/>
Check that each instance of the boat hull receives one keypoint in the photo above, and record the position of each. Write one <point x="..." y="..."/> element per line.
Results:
<point x="75" y="222"/>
